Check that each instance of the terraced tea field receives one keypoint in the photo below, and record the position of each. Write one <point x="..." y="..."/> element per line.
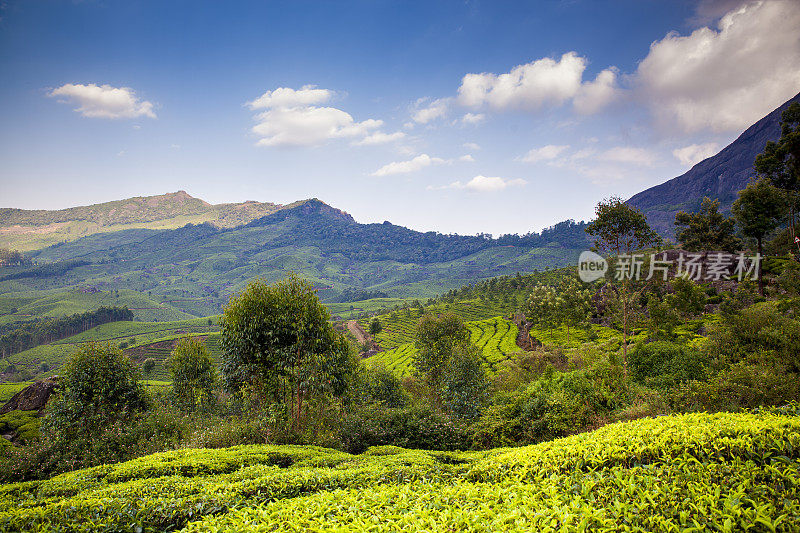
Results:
<point x="696" y="472"/>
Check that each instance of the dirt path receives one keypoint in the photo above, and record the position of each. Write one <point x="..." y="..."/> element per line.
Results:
<point x="358" y="332"/>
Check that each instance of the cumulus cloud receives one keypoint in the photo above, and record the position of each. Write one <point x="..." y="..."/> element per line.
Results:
<point x="473" y="118"/>
<point x="287" y="97"/>
<point x="412" y="165"/>
<point x="291" y="118"/>
<point x="595" y="95"/>
<point x="629" y="155"/>
<point x="426" y="111"/>
<point x="380" y="138"/>
<point x="483" y="184"/>
<point x="694" y="153"/>
<point x="103" y="101"/>
<point x="725" y="79"/>
<point x="545" y="153"/>
<point x="546" y="81"/>
<point x="467" y="158"/>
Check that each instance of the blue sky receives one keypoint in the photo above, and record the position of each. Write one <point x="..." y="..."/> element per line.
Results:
<point x="462" y="117"/>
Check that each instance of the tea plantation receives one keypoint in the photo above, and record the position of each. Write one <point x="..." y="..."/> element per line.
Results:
<point x="695" y="472"/>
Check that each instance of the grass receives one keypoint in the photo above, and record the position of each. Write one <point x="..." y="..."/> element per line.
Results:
<point x="7" y="390"/>
<point x="696" y="472"/>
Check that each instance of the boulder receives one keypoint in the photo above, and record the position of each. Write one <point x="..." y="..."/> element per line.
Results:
<point x="32" y="398"/>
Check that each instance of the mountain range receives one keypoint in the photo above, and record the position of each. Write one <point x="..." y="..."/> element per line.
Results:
<point x="185" y="256"/>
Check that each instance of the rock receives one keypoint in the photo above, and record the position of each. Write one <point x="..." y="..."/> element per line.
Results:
<point x="32" y="398"/>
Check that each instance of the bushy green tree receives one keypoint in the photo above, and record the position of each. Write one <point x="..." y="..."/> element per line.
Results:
<point x="148" y="365"/>
<point x="759" y="209"/>
<point x="194" y="375"/>
<point x="278" y="339"/>
<point x="687" y="298"/>
<point x="661" y="319"/>
<point x="708" y="229"/>
<point x="465" y="387"/>
<point x="375" y="326"/>
<point x="98" y="384"/>
<point x="437" y="339"/>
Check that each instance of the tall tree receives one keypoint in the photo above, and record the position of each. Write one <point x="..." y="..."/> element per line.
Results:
<point x="437" y="340"/>
<point x="279" y="338"/>
<point x="622" y="230"/>
<point x="194" y="374"/>
<point x="780" y="162"/>
<point x="760" y="208"/>
<point x="708" y="229"/>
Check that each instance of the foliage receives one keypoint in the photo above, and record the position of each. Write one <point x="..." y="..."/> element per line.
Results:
<point x="665" y="364"/>
<point x="759" y="209"/>
<point x="278" y="339"/>
<point x="465" y="387"/>
<point x="384" y="387"/>
<point x="437" y="339"/>
<point x="780" y="162"/>
<point x="708" y="229"/>
<point x="194" y="375"/>
<point x="22" y="424"/>
<point x="687" y="298"/>
<point x="375" y="326"/>
<point x="148" y="365"/>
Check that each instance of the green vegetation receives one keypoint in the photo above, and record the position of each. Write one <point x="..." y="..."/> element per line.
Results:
<point x="194" y="375"/>
<point x="737" y="470"/>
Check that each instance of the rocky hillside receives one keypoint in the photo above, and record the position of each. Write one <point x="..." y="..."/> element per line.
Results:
<point x="721" y="176"/>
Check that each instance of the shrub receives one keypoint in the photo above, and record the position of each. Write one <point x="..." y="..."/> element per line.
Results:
<point x="418" y="428"/>
<point x="664" y="364"/>
<point x="148" y="366"/>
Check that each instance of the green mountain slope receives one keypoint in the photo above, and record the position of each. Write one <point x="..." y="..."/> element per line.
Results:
<point x="196" y="267"/>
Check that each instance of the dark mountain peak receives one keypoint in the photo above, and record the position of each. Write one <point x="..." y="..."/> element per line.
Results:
<point x="721" y="176"/>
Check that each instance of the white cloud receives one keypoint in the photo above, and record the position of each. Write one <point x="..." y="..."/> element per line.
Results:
<point x="629" y="155"/>
<point x="483" y="184"/>
<point x="595" y="95"/>
<point x="473" y="118"/>
<point x="545" y="153"/>
<point x="290" y="119"/>
<point x="542" y="82"/>
<point x="725" y="79"/>
<point x="467" y="158"/>
<point x="412" y="165"/>
<point x="694" y="153"/>
<point x="104" y="101"/>
<point x="380" y="138"/>
<point x="471" y="146"/>
<point x="425" y="112"/>
<point x="286" y="97"/>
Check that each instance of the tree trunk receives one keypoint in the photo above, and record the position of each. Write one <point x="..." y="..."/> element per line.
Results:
<point x="760" y="277"/>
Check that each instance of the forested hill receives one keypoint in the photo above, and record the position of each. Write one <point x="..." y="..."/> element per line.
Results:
<point x="196" y="266"/>
<point x="720" y="177"/>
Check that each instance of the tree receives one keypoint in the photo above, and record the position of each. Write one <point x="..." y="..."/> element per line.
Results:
<point x="194" y="374"/>
<point x="569" y="304"/>
<point x="687" y="298"/>
<point x="759" y="209"/>
<point x="148" y="365"/>
<point x="708" y="229"/>
<point x="99" y="385"/>
<point x="278" y="338"/>
<point x="621" y="229"/>
<point x="437" y="339"/>
<point x="541" y="309"/>
<point x="375" y="326"/>
<point x="780" y="162"/>
<point x="662" y="319"/>
<point x="465" y="386"/>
